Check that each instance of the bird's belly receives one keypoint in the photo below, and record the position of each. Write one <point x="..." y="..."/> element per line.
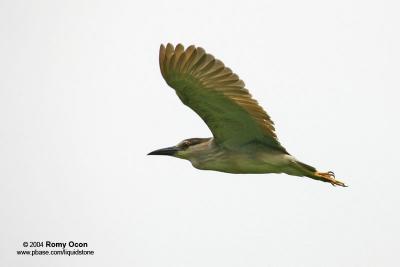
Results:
<point x="248" y="164"/>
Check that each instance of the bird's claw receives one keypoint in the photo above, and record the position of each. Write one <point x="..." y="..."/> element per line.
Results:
<point x="330" y="177"/>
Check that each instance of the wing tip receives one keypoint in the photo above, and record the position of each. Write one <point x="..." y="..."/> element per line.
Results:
<point x="161" y="59"/>
<point x="171" y="46"/>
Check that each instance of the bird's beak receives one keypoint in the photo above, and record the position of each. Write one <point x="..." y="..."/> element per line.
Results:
<point x="169" y="151"/>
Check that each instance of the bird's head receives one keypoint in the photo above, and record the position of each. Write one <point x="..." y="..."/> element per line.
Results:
<point x="184" y="149"/>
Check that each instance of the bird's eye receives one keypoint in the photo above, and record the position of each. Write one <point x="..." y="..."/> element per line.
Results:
<point x="185" y="144"/>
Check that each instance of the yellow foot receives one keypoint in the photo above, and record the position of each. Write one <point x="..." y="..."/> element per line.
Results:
<point x="329" y="177"/>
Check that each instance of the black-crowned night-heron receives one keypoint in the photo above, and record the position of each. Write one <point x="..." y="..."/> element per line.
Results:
<point x="244" y="139"/>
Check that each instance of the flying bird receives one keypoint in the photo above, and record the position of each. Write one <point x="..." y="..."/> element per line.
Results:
<point x="244" y="138"/>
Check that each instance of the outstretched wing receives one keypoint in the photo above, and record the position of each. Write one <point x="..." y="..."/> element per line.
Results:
<point x="218" y="96"/>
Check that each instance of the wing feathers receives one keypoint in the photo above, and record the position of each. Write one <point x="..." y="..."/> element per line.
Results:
<point x="176" y="56"/>
<point x="217" y="95"/>
<point x="190" y="55"/>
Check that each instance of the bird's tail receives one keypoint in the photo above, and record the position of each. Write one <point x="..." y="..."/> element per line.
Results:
<point x="308" y="168"/>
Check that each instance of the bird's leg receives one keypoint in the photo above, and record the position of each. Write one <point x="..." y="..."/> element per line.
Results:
<point x="329" y="177"/>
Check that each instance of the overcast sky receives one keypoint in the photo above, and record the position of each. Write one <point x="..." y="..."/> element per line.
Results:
<point x="82" y="102"/>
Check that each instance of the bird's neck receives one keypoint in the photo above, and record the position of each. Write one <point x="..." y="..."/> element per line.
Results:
<point x="204" y="152"/>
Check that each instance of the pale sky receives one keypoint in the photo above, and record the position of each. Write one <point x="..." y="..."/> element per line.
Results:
<point x="82" y="102"/>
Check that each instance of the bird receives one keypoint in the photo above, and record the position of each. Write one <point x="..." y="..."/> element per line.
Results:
<point x="244" y="140"/>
